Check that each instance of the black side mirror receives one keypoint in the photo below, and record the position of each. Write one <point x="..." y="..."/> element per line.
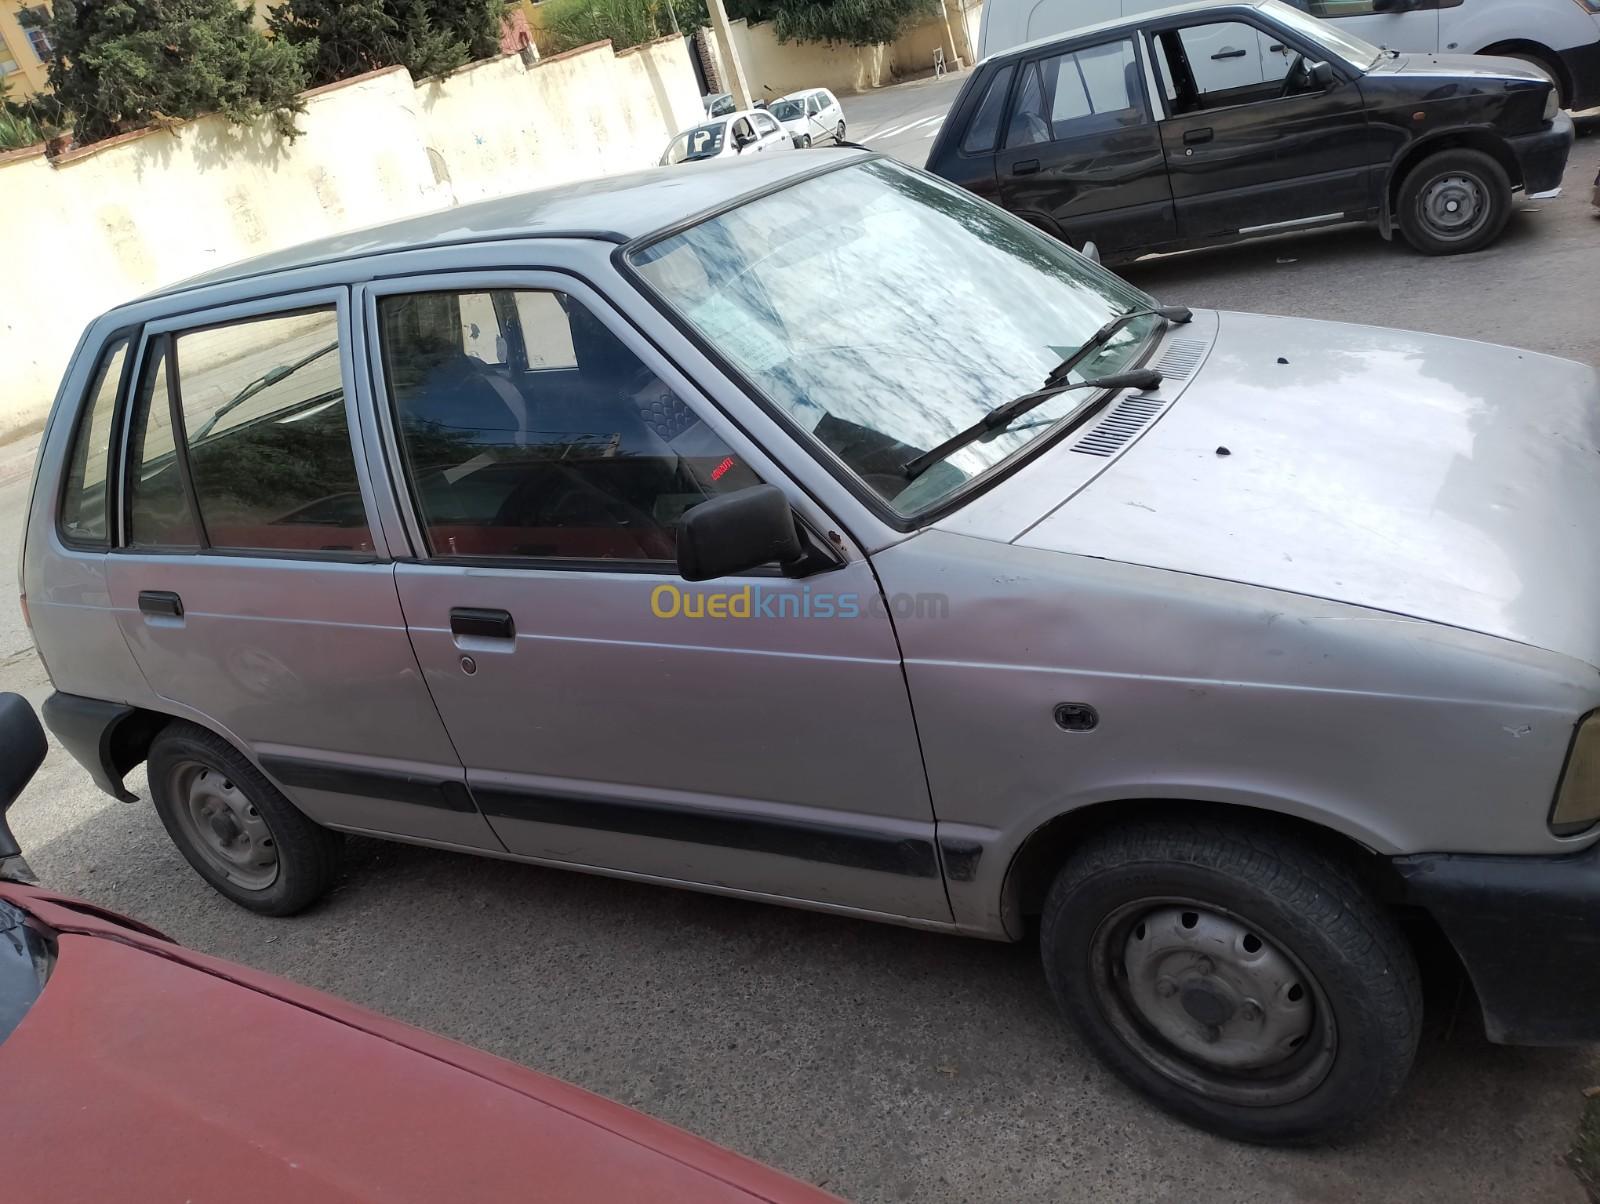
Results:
<point x="737" y="532"/>
<point x="22" y="750"/>
<point x="1321" y="75"/>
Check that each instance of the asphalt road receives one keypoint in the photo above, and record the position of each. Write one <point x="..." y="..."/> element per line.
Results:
<point x="883" y="1063"/>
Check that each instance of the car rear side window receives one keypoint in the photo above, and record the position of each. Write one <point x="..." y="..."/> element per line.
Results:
<point x="83" y="499"/>
<point x="984" y="131"/>
<point x="1091" y="91"/>
<point x="572" y="449"/>
<point x="267" y="454"/>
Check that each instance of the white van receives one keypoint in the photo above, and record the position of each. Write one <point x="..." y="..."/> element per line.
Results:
<point x="1562" y="37"/>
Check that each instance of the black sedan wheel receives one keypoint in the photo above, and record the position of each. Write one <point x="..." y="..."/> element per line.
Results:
<point x="1243" y="980"/>
<point x="1454" y="202"/>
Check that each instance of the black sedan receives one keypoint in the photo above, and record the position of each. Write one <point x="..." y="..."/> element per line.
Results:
<point x="1209" y="123"/>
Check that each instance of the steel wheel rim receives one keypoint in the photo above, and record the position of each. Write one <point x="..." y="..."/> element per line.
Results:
<point x="223" y="826"/>
<point x="1454" y="206"/>
<point x="1212" y="1002"/>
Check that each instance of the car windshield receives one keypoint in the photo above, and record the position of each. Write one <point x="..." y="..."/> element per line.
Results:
<point x="788" y="110"/>
<point x="907" y="312"/>
<point x="1358" y="52"/>
<point x="702" y="142"/>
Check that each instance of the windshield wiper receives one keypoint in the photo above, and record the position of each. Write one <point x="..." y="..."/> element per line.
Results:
<point x="1003" y="415"/>
<point x="266" y="380"/>
<point x="1178" y="314"/>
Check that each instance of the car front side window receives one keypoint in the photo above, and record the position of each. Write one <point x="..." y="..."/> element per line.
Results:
<point x="577" y="454"/>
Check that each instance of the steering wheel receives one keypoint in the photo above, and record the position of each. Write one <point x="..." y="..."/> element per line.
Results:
<point x="1297" y="79"/>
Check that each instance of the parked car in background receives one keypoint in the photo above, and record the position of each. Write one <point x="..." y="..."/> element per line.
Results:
<point x="811" y="116"/>
<point x="1121" y="134"/>
<point x="201" y="1079"/>
<point x="1560" y="37"/>
<point x="719" y="104"/>
<point x="804" y="528"/>
<point x="736" y="133"/>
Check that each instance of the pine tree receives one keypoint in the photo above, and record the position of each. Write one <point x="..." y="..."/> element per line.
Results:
<point x="121" y="65"/>
<point x="340" y="38"/>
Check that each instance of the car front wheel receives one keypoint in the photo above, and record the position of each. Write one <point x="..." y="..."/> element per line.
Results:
<point x="1243" y="980"/>
<point x="1454" y="202"/>
<point x="234" y="827"/>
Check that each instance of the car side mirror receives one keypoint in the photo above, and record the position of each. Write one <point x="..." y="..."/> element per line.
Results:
<point x="1090" y="251"/>
<point x="1321" y="75"/>
<point x="737" y="532"/>
<point x="22" y="751"/>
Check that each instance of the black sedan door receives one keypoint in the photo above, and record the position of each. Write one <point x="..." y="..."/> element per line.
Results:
<point x="1082" y="156"/>
<point x="1253" y="142"/>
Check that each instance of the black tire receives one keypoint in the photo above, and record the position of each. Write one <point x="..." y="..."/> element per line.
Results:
<point x="838" y="132"/>
<point x="805" y="141"/>
<point x="1462" y="177"/>
<point x="1359" y="995"/>
<point x="306" y="855"/>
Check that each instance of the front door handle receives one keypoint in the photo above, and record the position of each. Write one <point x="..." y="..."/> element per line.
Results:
<point x="1025" y="167"/>
<point x="492" y="624"/>
<point x="161" y="602"/>
<point x="1194" y="137"/>
<point x="1227" y="52"/>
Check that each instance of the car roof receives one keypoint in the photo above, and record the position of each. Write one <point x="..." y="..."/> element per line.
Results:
<point x="1137" y="21"/>
<point x="613" y="209"/>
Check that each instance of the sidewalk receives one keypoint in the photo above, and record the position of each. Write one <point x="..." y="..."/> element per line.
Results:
<point x="16" y="458"/>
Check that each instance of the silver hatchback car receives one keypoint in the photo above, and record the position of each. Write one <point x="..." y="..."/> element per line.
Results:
<point x="914" y="569"/>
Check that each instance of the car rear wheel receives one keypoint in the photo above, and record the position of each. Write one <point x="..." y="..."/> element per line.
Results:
<point x="1243" y="980"/>
<point x="838" y="132"/>
<point x="234" y="827"/>
<point x="1454" y="202"/>
<point x="805" y="141"/>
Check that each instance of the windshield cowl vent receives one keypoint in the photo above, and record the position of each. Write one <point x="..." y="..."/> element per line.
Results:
<point x="1125" y="420"/>
<point x="1181" y="358"/>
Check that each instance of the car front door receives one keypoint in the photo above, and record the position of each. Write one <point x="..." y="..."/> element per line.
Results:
<point x="251" y="582"/>
<point x="1082" y="156"/>
<point x="750" y="734"/>
<point x="1275" y="155"/>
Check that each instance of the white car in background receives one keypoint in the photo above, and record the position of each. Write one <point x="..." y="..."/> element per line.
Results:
<point x="736" y="133"/>
<point x="810" y="116"/>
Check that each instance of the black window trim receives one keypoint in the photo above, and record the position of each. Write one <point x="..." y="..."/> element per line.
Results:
<point x="129" y="337"/>
<point x="971" y="489"/>
<point x="166" y="339"/>
<point x="821" y="556"/>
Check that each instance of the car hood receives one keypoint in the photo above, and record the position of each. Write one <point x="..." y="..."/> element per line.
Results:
<point x="1466" y="67"/>
<point x="146" y="1071"/>
<point x="1436" y="478"/>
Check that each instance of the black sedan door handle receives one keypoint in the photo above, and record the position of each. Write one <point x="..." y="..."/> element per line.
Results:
<point x="1227" y="53"/>
<point x="1025" y="167"/>
<point x="161" y="602"/>
<point x="493" y="624"/>
<point x="1191" y="137"/>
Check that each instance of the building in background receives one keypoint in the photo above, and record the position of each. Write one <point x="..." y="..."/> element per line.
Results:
<point x="24" y="53"/>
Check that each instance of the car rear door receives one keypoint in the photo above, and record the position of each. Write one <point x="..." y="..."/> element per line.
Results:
<point x="743" y="734"/>
<point x="1252" y="159"/>
<point x="252" y="579"/>
<point x="1082" y="154"/>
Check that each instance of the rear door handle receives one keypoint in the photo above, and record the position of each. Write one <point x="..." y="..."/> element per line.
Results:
<point x="491" y="624"/>
<point x="1025" y="167"/>
<point x="161" y="602"/>
<point x="1227" y="53"/>
<point x="1191" y="137"/>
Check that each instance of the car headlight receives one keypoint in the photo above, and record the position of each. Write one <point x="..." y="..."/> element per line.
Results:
<point x="1577" y="804"/>
<point x="1552" y="105"/>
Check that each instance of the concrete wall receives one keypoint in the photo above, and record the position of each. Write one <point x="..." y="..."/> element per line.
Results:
<point x="114" y="220"/>
<point x="775" y="68"/>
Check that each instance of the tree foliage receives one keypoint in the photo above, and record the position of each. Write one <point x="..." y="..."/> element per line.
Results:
<point x="854" y="22"/>
<point x="121" y="65"/>
<point x="337" y="39"/>
<point x="568" y="24"/>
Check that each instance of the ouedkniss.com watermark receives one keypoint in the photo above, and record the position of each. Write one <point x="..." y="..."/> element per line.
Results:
<point x="756" y="601"/>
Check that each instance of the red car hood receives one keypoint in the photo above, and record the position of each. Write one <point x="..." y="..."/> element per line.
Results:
<point x="148" y="1072"/>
